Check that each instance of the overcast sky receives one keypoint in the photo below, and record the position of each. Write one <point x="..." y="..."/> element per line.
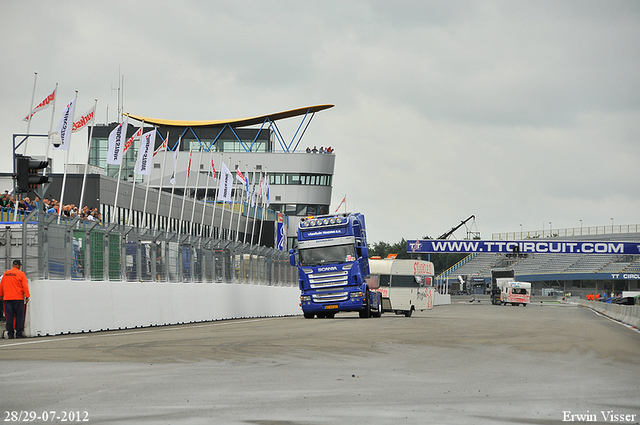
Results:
<point x="520" y="113"/>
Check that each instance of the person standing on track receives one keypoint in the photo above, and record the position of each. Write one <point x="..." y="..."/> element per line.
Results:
<point x="14" y="291"/>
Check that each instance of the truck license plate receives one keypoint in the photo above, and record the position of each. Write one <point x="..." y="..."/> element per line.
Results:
<point x="327" y="307"/>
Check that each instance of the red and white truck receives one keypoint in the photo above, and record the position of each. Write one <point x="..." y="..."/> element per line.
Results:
<point x="515" y="293"/>
<point x="405" y="285"/>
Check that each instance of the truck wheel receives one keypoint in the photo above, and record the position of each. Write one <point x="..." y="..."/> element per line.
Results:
<point x="408" y="313"/>
<point x="308" y="315"/>
<point x="365" y="313"/>
<point x="378" y="312"/>
<point x="524" y="304"/>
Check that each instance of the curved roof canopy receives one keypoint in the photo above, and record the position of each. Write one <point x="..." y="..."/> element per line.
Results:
<point x="240" y="122"/>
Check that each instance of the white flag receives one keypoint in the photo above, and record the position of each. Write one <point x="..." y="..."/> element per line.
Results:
<point x="42" y="105"/>
<point x="224" y="187"/>
<point x="116" y="143"/>
<point x="162" y="147"/>
<point x="85" y="119"/>
<point x="65" y="126"/>
<point x="145" y="153"/>
<point x="175" y="165"/>
<point x="254" y="191"/>
<point x="268" y="199"/>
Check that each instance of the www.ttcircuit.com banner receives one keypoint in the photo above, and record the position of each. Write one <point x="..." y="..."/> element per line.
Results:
<point x="525" y="247"/>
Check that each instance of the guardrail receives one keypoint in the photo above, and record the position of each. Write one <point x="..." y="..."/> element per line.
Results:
<point x="73" y="249"/>
<point x="629" y="314"/>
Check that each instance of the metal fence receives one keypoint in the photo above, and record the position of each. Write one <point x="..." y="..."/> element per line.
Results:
<point x="53" y="248"/>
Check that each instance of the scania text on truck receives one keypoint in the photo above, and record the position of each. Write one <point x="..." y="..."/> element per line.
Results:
<point x="333" y="265"/>
<point x="405" y="285"/>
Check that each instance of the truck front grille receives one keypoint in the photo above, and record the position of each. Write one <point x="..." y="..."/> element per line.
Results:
<point x="332" y="278"/>
<point x="330" y="297"/>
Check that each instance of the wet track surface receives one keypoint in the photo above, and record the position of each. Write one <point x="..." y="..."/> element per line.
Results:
<point x="463" y="363"/>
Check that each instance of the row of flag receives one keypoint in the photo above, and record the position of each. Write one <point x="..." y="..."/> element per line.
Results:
<point x="67" y="124"/>
<point x="118" y="144"/>
<point x="116" y="150"/>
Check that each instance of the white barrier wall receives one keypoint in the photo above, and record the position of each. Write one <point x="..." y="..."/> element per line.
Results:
<point x="64" y="306"/>
<point x="629" y="314"/>
<point x="442" y="299"/>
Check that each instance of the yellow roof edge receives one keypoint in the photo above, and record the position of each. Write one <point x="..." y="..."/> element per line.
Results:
<point x="240" y="122"/>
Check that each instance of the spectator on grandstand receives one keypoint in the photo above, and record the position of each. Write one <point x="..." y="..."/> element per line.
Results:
<point x="308" y="149"/>
<point x="314" y="150"/>
<point x="7" y="201"/>
<point x="96" y="215"/>
<point x="53" y="207"/>
<point x="25" y="204"/>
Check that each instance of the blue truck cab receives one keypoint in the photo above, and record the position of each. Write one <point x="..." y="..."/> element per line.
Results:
<point x="333" y="265"/>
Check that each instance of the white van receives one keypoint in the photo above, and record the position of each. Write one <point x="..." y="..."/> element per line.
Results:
<point x="405" y="285"/>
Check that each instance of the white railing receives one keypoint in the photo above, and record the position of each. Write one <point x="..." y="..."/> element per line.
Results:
<point x="569" y="232"/>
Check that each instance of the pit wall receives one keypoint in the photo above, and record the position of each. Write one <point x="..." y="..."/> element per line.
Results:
<point x="441" y="299"/>
<point x="65" y="306"/>
<point x="629" y="314"/>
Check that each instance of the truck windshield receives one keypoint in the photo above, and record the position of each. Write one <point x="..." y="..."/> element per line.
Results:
<point x="327" y="255"/>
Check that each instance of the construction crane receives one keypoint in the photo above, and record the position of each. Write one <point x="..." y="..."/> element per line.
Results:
<point x="462" y="223"/>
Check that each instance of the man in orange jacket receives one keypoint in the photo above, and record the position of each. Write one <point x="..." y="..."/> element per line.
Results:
<point x="14" y="291"/>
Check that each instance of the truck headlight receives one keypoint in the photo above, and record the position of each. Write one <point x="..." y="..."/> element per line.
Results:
<point x="358" y="294"/>
<point x="305" y="298"/>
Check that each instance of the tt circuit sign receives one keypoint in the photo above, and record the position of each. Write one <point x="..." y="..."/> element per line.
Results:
<point x="524" y="247"/>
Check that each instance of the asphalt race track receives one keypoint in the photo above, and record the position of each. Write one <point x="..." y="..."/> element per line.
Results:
<point x="467" y="363"/>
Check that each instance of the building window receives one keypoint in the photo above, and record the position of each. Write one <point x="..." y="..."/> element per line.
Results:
<point x="300" y="179"/>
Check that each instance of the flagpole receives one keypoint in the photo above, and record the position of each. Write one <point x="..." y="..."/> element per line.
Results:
<point x="255" y="211"/>
<point x="135" y="174"/>
<point x="262" y="212"/>
<point x="86" y="164"/>
<point x="33" y="95"/>
<point x="204" y="201"/>
<point x="173" y="185"/>
<point x="146" y="192"/>
<point x="241" y="209"/>
<point x="53" y="112"/>
<point x="215" y="202"/>
<point x="195" y="198"/>
<point x="124" y="125"/>
<point x="184" y="191"/>
<point x="164" y="161"/>
<point x="66" y="161"/>
<point x="246" y="223"/>
<point x="224" y="201"/>
<point x="233" y="204"/>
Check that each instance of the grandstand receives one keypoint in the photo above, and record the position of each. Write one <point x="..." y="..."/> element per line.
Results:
<point x="575" y="273"/>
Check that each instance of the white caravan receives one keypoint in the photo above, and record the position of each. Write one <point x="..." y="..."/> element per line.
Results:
<point x="515" y="293"/>
<point x="405" y="285"/>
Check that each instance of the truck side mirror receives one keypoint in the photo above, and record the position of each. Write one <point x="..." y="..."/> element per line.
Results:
<point x="292" y="258"/>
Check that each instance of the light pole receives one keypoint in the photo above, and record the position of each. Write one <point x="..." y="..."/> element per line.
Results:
<point x="580" y="227"/>
<point x="611" y="224"/>
<point x="550" y="231"/>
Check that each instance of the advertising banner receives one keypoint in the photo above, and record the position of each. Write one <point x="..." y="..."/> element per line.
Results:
<point x="525" y="247"/>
